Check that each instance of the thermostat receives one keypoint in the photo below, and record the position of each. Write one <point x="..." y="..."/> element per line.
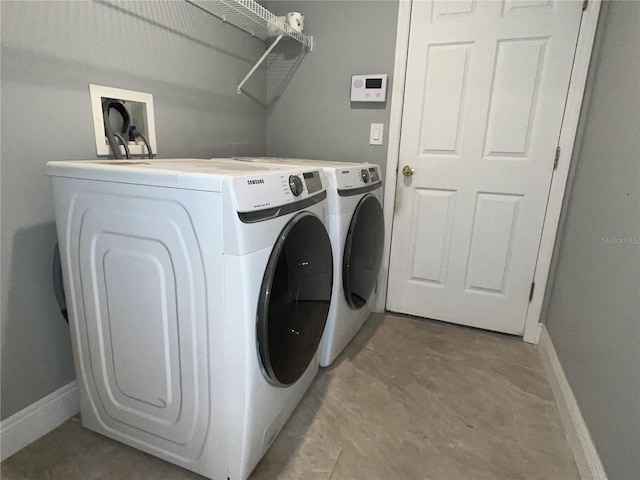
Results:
<point x="369" y="88"/>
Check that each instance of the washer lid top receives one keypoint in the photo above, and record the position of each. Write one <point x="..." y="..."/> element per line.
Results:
<point x="299" y="162"/>
<point x="186" y="173"/>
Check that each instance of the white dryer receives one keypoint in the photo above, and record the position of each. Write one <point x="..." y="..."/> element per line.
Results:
<point x="198" y="293"/>
<point x="356" y="228"/>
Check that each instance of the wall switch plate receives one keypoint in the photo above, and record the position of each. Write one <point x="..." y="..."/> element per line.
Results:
<point x="376" y="134"/>
<point x="140" y="108"/>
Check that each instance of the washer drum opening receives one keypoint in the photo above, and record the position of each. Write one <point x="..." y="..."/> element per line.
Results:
<point x="363" y="252"/>
<point x="294" y="299"/>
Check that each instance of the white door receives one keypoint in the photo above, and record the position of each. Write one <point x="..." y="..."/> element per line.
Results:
<point x="484" y="99"/>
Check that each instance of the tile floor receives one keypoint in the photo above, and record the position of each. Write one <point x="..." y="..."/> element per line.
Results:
<point x="408" y="399"/>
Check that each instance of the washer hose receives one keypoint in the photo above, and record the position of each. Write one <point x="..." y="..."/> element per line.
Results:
<point x="137" y="134"/>
<point x="107" y="105"/>
<point x="124" y="144"/>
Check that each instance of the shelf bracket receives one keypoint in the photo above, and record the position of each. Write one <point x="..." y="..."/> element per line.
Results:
<point x="255" y="67"/>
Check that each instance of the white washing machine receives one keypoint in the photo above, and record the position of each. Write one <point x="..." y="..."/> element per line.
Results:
<point x="356" y="228"/>
<point x="198" y="292"/>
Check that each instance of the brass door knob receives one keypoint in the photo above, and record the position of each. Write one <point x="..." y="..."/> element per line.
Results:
<point x="407" y="170"/>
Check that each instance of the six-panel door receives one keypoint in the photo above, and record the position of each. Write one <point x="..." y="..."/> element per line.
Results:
<point x="484" y="99"/>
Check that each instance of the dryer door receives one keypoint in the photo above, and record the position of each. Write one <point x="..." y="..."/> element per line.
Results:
<point x="294" y="299"/>
<point x="363" y="252"/>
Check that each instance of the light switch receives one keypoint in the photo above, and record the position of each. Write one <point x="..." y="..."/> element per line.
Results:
<point x="376" y="134"/>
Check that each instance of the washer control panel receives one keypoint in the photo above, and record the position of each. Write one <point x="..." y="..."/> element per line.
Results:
<point x="357" y="177"/>
<point x="273" y="189"/>
<point x="296" y="186"/>
<point x="313" y="181"/>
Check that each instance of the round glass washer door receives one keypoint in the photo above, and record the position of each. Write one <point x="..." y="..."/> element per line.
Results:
<point x="363" y="252"/>
<point x="294" y="299"/>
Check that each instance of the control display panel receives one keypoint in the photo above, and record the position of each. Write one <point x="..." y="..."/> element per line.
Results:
<point x="351" y="178"/>
<point x="312" y="181"/>
<point x="369" y="88"/>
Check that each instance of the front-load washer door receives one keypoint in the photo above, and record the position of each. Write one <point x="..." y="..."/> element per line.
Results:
<point x="294" y="299"/>
<point x="363" y="252"/>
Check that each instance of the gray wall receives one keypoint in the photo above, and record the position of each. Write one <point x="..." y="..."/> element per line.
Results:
<point x="309" y="113"/>
<point x="51" y="51"/>
<point x="593" y="314"/>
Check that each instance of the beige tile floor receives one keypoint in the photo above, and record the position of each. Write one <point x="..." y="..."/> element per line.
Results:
<point x="408" y="399"/>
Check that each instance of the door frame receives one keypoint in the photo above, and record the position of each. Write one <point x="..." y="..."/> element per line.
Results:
<point x="569" y="128"/>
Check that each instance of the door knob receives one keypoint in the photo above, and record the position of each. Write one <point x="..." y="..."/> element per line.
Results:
<point x="407" y="170"/>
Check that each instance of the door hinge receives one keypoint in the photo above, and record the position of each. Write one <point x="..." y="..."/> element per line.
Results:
<point x="556" y="158"/>
<point x="584" y="5"/>
<point x="533" y="287"/>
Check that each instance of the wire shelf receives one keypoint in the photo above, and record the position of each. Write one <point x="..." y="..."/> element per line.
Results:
<point x="253" y="18"/>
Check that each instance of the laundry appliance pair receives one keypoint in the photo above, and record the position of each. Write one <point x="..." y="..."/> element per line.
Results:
<point x="356" y="229"/>
<point x="198" y="293"/>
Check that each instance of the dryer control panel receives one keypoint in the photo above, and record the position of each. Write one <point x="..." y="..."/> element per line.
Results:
<point x="273" y="189"/>
<point x="358" y="177"/>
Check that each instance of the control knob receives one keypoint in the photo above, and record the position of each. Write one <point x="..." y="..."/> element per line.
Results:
<point x="364" y="173"/>
<point x="295" y="184"/>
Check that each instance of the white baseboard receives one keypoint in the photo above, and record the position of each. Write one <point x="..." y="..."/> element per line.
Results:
<point x="580" y="441"/>
<point x="38" y="419"/>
